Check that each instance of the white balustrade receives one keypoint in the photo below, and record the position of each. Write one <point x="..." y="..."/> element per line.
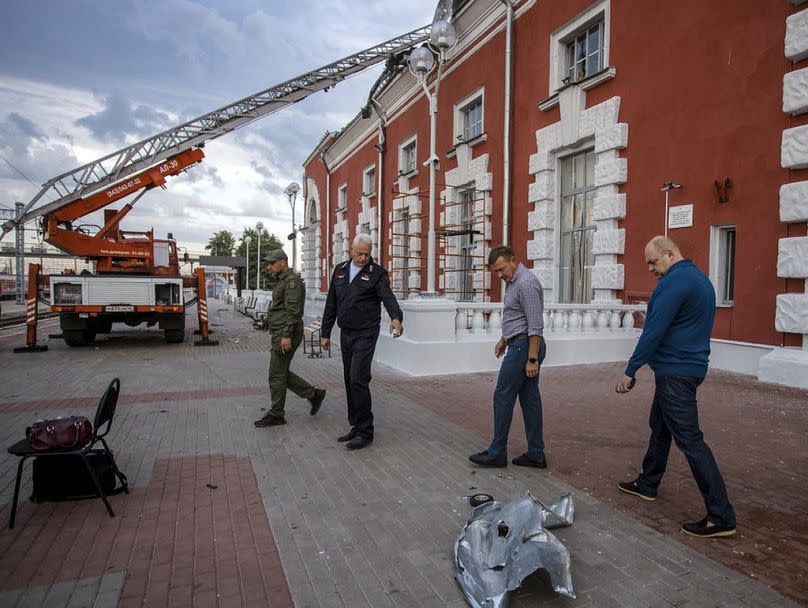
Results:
<point x="485" y="318"/>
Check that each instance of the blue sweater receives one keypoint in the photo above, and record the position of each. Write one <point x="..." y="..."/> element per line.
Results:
<point x="675" y="339"/>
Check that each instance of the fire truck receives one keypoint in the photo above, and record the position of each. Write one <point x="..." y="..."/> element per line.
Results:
<point x="137" y="276"/>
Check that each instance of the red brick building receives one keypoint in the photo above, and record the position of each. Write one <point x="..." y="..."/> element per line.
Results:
<point x="566" y="158"/>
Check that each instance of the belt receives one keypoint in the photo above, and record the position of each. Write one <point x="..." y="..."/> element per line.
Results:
<point x="516" y="337"/>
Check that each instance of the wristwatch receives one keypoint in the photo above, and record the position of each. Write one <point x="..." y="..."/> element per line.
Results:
<point x="532" y="360"/>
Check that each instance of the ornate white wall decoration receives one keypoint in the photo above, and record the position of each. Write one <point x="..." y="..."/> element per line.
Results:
<point x="311" y="252"/>
<point x="368" y="221"/>
<point x="340" y="243"/>
<point x="404" y="238"/>
<point x="578" y="126"/>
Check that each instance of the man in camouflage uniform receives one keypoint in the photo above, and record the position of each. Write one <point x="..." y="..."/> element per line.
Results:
<point x="285" y="320"/>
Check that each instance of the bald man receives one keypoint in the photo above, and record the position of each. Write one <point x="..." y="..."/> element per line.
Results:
<point x="675" y="343"/>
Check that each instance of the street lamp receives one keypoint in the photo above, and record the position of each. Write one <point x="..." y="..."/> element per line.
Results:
<point x="247" y="241"/>
<point x="259" y="227"/>
<point x="421" y="62"/>
<point x="291" y="192"/>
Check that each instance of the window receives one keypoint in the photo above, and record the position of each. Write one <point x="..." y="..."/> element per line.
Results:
<point x="369" y="181"/>
<point x="407" y="158"/>
<point x="722" y="264"/>
<point x="468" y="117"/>
<point x="577" y="227"/>
<point x="580" y="49"/>
<point x="473" y="119"/>
<point x="467" y="219"/>
<point x="342" y="197"/>
<point x="584" y="55"/>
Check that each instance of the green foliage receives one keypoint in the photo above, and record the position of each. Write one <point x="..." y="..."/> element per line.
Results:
<point x="268" y="243"/>
<point x="221" y="243"/>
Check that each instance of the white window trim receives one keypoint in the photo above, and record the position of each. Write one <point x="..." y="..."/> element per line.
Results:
<point x="717" y="262"/>
<point x="365" y="174"/>
<point x="401" y="147"/>
<point x="559" y="39"/>
<point x="458" y="115"/>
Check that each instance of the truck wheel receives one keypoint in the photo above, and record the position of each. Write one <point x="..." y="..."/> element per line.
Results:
<point x="75" y="337"/>
<point x="174" y="336"/>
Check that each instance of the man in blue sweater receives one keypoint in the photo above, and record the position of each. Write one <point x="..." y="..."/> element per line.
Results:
<point x="675" y="343"/>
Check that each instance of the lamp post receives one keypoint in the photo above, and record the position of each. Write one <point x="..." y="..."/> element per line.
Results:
<point x="247" y="241"/>
<point x="421" y="62"/>
<point x="259" y="227"/>
<point x="291" y="192"/>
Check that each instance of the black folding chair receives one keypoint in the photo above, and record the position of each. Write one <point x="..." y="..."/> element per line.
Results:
<point x="101" y="425"/>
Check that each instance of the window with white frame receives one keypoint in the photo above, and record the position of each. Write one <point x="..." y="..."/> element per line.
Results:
<point x="468" y="121"/>
<point x="407" y="156"/>
<point x="584" y="56"/>
<point x="722" y="264"/>
<point x="577" y="227"/>
<point x="342" y="197"/>
<point x="369" y="181"/>
<point x="580" y="48"/>
<point x="466" y="269"/>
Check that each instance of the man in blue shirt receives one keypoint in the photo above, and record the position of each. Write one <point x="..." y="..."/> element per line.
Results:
<point x="675" y="343"/>
<point x="522" y="327"/>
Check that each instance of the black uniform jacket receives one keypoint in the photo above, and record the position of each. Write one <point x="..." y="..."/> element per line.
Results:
<point x="356" y="304"/>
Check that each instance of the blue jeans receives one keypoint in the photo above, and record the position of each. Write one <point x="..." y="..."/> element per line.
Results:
<point x="512" y="382"/>
<point x="674" y="414"/>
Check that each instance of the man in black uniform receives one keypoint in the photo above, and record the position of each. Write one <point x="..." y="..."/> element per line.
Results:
<point x="285" y="320"/>
<point x="357" y="288"/>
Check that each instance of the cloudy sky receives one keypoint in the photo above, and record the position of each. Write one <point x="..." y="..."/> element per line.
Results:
<point x="80" y="79"/>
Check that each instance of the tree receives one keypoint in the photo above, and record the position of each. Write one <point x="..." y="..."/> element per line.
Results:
<point x="221" y="243"/>
<point x="268" y="243"/>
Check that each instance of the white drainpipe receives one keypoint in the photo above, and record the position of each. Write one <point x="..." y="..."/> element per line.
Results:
<point x="506" y="144"/>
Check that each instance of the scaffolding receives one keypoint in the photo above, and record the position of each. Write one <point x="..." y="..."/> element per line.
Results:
<point x="462" y="246"/>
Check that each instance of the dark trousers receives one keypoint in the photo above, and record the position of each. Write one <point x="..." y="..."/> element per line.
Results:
<point x="674" y="414"/>
<point x="281" y="378"/>
<point x="512" y="383"/>
<point x="357" y="348"/>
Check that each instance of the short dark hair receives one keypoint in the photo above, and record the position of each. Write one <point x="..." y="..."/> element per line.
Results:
<point x="501" y="251"/>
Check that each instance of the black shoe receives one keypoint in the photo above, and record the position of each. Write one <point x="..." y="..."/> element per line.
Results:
<point x="526" y="461"/>
<point x="631" y="487"/>
<point x="317" y="400"/>
<point x="484" y="459"/>
<point x="347" y="436"/>
<point x="269" y="420"/>
<point x="704" y="528"/>
<point x="359" y="442"/>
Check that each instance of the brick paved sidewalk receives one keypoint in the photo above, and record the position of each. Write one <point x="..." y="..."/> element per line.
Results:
<point x="224" y="514"/>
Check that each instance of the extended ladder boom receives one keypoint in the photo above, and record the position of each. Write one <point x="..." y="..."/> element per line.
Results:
<point x="144" y="154"/>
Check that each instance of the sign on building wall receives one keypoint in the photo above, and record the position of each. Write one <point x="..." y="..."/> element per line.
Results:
<point x="680" y="216"/>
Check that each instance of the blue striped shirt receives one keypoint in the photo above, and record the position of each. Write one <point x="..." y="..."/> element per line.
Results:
<point x="523" y="305"/>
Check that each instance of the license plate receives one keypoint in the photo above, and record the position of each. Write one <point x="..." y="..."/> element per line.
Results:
<point x="120" y="309"/>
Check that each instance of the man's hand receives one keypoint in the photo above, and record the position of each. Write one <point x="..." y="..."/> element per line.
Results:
<point x="499" y="347"/>
<point x="397" y="327"/>
<point x="625" y="384"/>
<point x="325" y="343"/>
<point x="531" y="369"/>
<point x="286" y="345"/>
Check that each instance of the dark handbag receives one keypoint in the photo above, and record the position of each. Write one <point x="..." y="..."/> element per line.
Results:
<point x="60" y="433"/>
<point x="66" y="477"/>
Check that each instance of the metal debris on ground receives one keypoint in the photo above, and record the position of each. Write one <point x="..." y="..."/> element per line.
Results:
<point x="502" y="544"/>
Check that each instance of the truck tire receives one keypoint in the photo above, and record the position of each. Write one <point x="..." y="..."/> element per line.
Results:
<point x="174" y="336"/>
<point x="76" y="337"/>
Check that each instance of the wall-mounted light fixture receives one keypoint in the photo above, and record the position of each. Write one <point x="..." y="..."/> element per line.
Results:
<point x="667" y="187"/>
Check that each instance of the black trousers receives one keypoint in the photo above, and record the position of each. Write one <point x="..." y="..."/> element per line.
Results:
<point x="358" y="346"/>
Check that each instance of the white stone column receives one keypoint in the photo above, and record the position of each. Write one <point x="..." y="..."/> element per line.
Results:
<point x="790" y="365"/>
